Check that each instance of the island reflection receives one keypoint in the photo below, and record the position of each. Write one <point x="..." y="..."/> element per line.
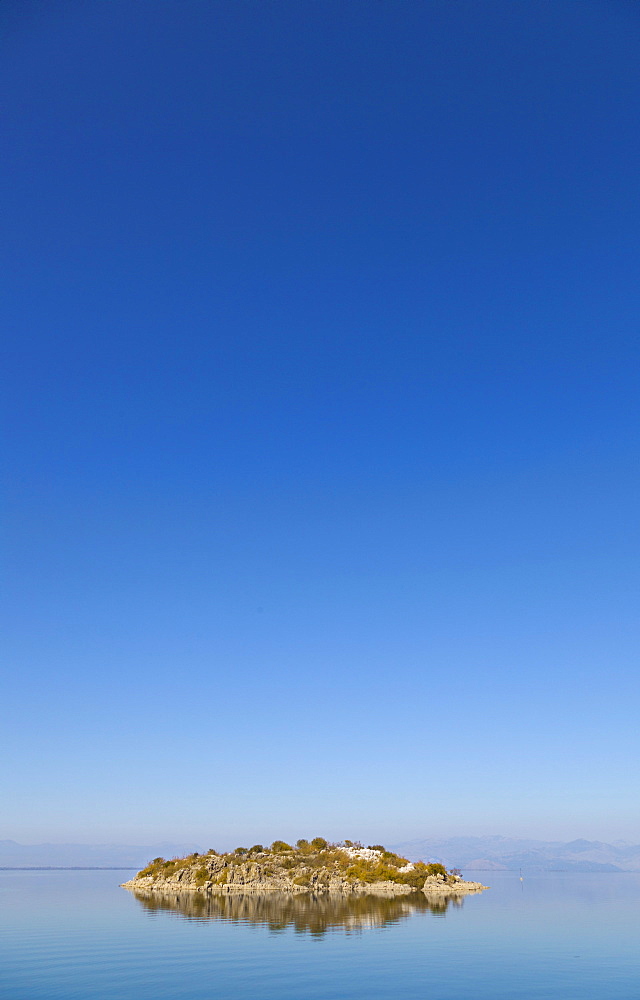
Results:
<point x="306" y="913"/>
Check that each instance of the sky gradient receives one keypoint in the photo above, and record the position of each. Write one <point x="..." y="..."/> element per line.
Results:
<point x="321" y="355"/>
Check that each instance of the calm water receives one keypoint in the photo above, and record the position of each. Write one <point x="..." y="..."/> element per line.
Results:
<point x="73" y="935"/>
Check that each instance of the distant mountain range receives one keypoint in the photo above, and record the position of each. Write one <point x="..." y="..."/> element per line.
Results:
<point x="504" y="853"/>
<point x="481" y="853"/>
<point x="14" y="855"/>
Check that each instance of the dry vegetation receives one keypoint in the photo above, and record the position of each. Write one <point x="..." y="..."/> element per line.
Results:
<point x="302" y="861"/>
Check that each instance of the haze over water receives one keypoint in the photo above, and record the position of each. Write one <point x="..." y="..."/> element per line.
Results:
<point x="79" y="936"/>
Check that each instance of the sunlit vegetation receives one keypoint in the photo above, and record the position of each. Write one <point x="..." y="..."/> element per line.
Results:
<point x="279" y="846"/>
<point x="202" y="876"/>
<point x="304" y="863"/>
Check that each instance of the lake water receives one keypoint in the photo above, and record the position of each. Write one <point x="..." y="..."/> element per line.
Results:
<point x="68" y="935"/>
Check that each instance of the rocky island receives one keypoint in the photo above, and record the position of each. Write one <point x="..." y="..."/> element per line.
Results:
<point x="315" y="866"/>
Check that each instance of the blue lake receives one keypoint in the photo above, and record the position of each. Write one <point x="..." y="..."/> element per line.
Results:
<point x="67" y="935"/>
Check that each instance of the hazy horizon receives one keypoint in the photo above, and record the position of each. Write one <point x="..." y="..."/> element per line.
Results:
<point x="489" y="853"/>
<point x="245" y="840"/>
<point x="224" y="843"/>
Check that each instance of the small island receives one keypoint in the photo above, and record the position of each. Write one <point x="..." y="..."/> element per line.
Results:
<point x="315" y="866"/>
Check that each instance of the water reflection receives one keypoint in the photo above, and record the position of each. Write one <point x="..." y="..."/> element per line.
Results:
<point x="306" y="913"/>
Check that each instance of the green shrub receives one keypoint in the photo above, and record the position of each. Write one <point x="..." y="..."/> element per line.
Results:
<point x="202" y="876"/>
<point x="279" y="845"/>
<point x="368" y="871"/>
<point x="414" y="878"/>
<point x="319" y="843"/>
<point x="435" y="868"/>
<point x="171" y="867"/>
<point x="152" y="868"/>
<point x="394" y="859"/>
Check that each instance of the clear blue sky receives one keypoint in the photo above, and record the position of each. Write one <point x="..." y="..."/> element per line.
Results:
<point x="321" y="328"/>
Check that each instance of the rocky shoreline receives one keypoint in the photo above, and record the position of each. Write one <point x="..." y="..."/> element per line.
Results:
<point x="318" y="867"/>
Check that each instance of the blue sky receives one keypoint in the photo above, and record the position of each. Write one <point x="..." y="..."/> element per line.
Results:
<point x="322" y="405"/>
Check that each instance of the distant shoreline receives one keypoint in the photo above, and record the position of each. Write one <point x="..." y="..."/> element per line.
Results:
<point x="67" y="868"/>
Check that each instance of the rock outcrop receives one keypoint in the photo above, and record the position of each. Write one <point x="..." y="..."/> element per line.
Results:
<point x="450" y="884"/>
<point x="314" y="868"/>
